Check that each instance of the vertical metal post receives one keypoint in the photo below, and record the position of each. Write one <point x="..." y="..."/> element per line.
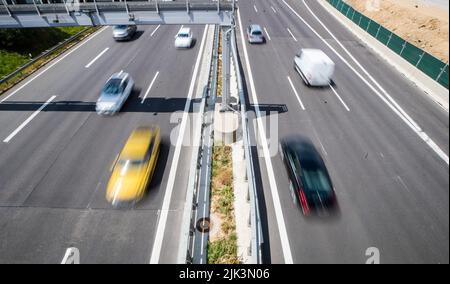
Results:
<point x="370" y="21"/>
<point x="37" y="10"/>
<point x="403" y="48"/>
<point x="67" y="9"/>
<point x="126" y="8"/>
<point x="218" y="6"/>
<point x="157" y="7"/>
<point x="96" y="8"/>
<point x="389" y="40"/>
<point x="378" y="31"/>
<point x="226" y="41"/>
<point x="420" y="58"/>
<point x="6" y="6"/>
<point x="187" y="6"/>
<point x="442" y="72"/>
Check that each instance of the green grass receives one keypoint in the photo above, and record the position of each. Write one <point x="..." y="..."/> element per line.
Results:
<point x="11" y="61"/>
<point x="16" y="45"/>
<point x="224" y="249"/>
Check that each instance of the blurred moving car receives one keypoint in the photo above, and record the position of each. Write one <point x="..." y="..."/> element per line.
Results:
<point x="255" y="34"/>
<point x="124" y="32"/>
<point x="314" y="66"/>
<point x="114" y="94"/>
<point x="184" y="38"/>
<point x="134" y="167"/>
<point x="308" y="175"/>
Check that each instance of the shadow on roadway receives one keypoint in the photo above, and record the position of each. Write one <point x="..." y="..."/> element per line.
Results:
<point x="133" y="104"/>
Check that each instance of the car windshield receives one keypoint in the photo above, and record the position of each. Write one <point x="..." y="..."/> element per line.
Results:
<point x="314" y="177"/>
<point x="183" y="35"/>
<point x="121" y="27"/>
<point x="125" y="163"/>
<point x="113" y="87"/>
<point x="257" y="33"/>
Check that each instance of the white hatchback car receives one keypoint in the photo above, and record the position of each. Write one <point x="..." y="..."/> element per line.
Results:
<point x="115" y="93"/>
<point x="184" y="38"/>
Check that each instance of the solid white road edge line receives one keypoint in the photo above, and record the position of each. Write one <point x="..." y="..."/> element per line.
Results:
<point x="25" y="123"/>
<point x="157" y="245"/>
<point x="149" y="87"/>
<point x="397" y="110"/>
<point x="96" y="58"/>
<point x="273" y="185"/>
<point x="53" y="64"/>
<point x="295" y="92"/>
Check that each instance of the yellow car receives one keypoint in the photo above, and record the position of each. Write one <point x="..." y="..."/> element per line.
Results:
<point x="134" y="167"/>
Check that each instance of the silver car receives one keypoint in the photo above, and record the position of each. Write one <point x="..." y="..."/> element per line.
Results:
<point x="124" y="32"/>
<point x="115" y="93"/>
<point x="255" y="34"/>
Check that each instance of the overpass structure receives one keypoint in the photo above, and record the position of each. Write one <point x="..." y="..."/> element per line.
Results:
<point x="48" y="13"/>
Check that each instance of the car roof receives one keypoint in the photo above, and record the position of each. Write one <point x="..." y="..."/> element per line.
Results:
<point x="255" y="27"/>
<point x="184" y="30"/>
<point x="317" y="55"/>
<point x="138" y="143"/>
<point x="119" y="75"/>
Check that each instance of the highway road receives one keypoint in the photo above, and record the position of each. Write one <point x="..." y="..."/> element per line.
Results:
<point x="391" y="180"/>
<point x="56" y="152"/>
<point x="385" y="143"/>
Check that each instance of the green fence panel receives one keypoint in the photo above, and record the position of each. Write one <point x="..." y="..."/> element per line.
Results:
<point x="373" y="29"/>
<point x="396" y="43"/>
<point x="384" y="35"/>
<point x="425" y="62"/>
<point x="364" y="22"/>
<point x="412" y="53"/>
<point x="443" y="79"/>
<point x="356" y="16"/>
<point x="431" y="66"/>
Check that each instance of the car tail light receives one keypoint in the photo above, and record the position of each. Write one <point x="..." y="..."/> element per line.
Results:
<point x="304" y="202"/>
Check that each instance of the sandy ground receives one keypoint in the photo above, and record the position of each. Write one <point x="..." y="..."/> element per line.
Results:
<point x="424" y="23"/>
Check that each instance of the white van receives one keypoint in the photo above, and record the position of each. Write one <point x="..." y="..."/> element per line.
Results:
<point x="314" y="66"/>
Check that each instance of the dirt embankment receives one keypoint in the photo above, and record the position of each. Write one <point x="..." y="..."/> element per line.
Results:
<point x="424" y="25"/>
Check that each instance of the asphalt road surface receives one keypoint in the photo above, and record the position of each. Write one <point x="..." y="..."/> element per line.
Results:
<point x="54" y="171"/>
<point x="392" y="187"/>
<point x="391" y="181"/>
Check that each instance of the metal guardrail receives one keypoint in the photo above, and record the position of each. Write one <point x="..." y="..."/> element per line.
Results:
<point x="255" y="219"/>
<point x="42" y="55"/>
